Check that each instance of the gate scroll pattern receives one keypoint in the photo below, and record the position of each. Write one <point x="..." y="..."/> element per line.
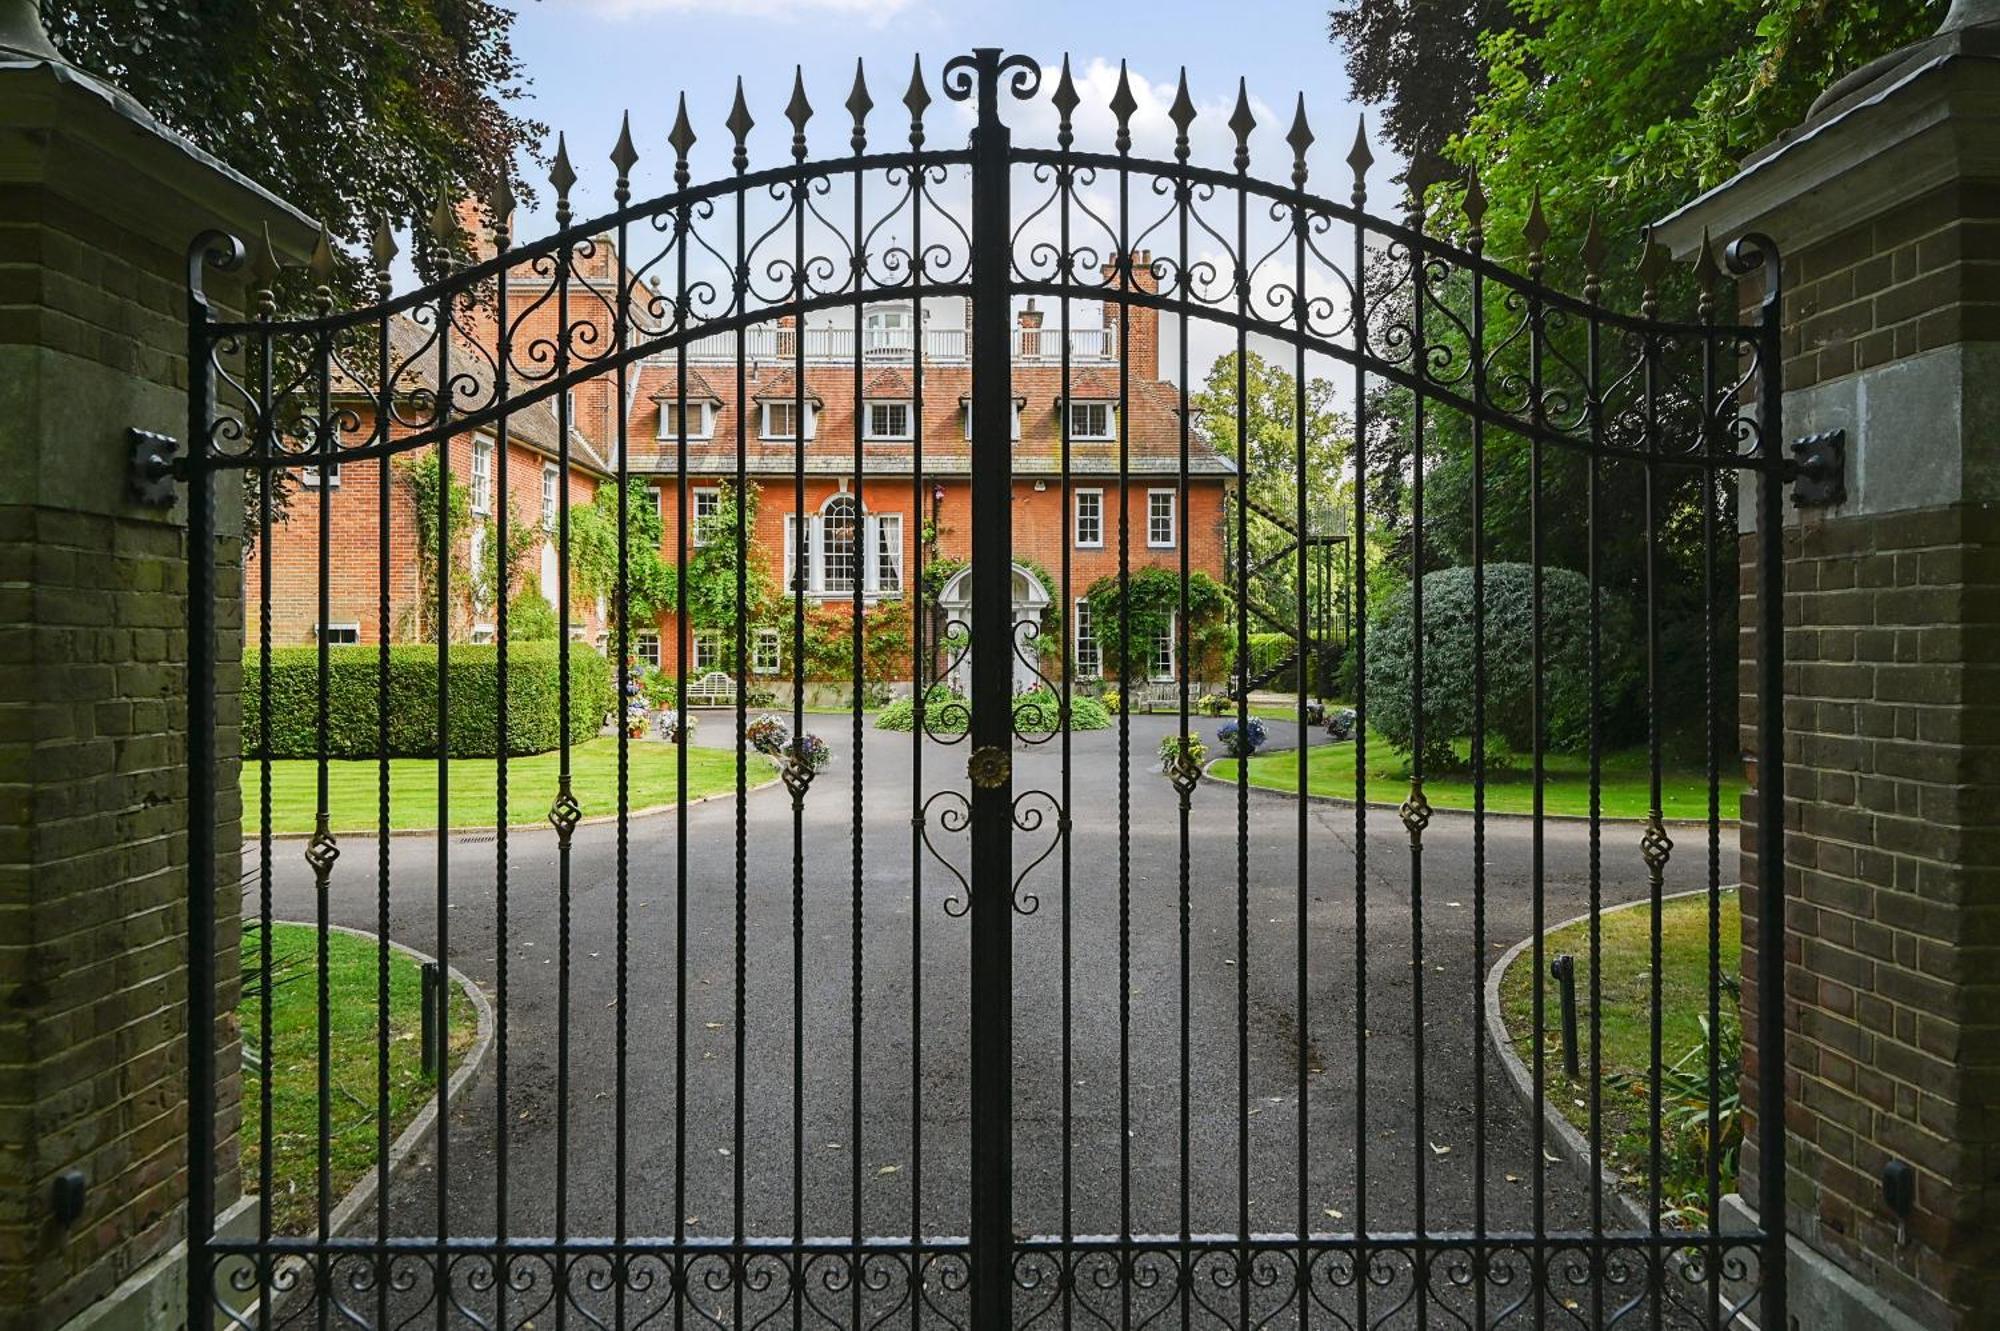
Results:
<point x="1430" y="334"/>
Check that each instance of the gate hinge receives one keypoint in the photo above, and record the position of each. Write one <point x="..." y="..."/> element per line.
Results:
<point x="1819" y="469"/>
<point x="152" y="468"/>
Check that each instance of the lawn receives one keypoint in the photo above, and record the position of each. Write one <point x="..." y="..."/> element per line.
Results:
<point x="1627" y="1038"/>
<point x="353" y="793"/>
<point x="293" y="1063"/>
<point x="1510" y="787"/>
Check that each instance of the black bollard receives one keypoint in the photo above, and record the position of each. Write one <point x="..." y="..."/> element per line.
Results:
<point x="1563" y="969"/>
<point x="429" y="999"/>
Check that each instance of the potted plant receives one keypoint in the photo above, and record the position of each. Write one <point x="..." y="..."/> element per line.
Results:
<point x="1243" y="741"/>
<point x="1340" y="724"/>
<point x="1172" y="747"/>
<point x="1212" y="704"/>
<point x="768" y="734"/>
<point x="672" y="724"/>
<point x="812" y="752"/>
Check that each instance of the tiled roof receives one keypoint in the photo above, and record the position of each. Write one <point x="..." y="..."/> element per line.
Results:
<point x="698" y="387"/>
<point x="1153" y="427"/>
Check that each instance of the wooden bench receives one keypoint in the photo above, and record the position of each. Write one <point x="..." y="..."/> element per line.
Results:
<point x="714" y="689"/>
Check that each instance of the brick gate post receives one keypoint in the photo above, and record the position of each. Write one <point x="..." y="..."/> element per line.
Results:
<point x="1885" y="204"/>
<point x="98" y="203"/>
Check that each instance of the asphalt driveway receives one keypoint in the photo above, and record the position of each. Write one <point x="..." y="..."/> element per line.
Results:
<point x="1165" y="1023"/>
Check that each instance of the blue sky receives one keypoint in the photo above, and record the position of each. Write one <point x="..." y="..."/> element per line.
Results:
<point x="591" y="61"/>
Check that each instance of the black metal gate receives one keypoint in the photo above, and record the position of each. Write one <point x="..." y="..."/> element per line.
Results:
<point x="1056" y="1033"/>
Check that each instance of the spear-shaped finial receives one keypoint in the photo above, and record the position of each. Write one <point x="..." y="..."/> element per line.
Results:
<point x="1360" y="158"/>
<point x="1300" y="137"/>
<point x="1065" y="101"/>
<point x="1593" y="252"/>
<point x="859" y="104"/>
<point x="623" y="156"/>
<point x="500" y="202"/>
<point x="798" y="111"/>
<point x="563" y="177"/>
<point x="1182" y="114"/>
<point x="1122" y="106"/>
<point x="1652" y="267"/>
<point x="1536" y="233"/>
<point x="1241" y="122"/>
<point x="1426" y="169"/>
<point x="321" y="267"/>
<point x="1475" y="211"/>
<point x="1707" y="275"/>
<point x="444" y="230"/>
<point x="680" y="139"/>
<point x="918" y="98"/>
<point x="383" y="252"/>
<point x="264" y="274"/>
<point x="738" y="125"/>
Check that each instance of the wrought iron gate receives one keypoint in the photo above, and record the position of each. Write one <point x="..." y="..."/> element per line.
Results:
<point x="1226" y="1077"/>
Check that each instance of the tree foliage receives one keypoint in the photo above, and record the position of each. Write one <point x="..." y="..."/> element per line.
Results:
<point x="593" y="553"/>
<point x="1155" y="600"/>
<point x="439" y="528"/>
<point x="1420" y="60"/>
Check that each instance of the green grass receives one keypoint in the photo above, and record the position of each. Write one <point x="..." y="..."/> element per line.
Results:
<point x="1626" y="1034"/>
<point x="1509" y="788"/>
<point x="293" y="1063"/>
<point x="353" y="794"/>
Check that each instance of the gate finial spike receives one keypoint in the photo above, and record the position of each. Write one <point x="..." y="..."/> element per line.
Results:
<point x="1242" y="122"/>
<point x="1536" y="233"/>
<point x="563" y="177"/>
<point x="918" y="98"/>
<point x="1593" y="252"/>
<point x="444" y="221"/>
<point x="738" y="125"/>
<point x="1065" y="100"/>
<point x="623" y="153"/>
<point x="1182" y="114"/>
<point x="321" y="267"/>
<point x="859" y="104"/>
<point x="383" y="252"/>
<point x="1425" y="170"/>
<point x="1360" y="158"/>
<point x="1652" y="267"/>
<point x="1301" y="138"/>
<point x="798" y="111"/>
<point x="680" y="139"/>
<point x="264" y="274"/>
<point x="1475" y="203"/>
<point x="1707" y="274"/>
<point x="500" y="202"/>
<point x="1122" y="106"/>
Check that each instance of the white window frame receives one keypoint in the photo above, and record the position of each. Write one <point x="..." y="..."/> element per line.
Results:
<point x="1076" y="518"/>
<point x="967" y="413"/>
<point x="765" y="426"/>
<point x="886" y="404"/>
<point x="482" y="635"/>
<point x="707" y="650"/>
<point x="309" y="477"/>
<point x="878" y="550"/>
<point x="1171" y="639"/>
<point x="856" y="547"/>
<point x="640" y="643"/>
<point x="701" y="493"/>
<point x="701" y="419"/>
<point x="551" y="494"/>
<point x="1110" y="410"/>
<point x="766" y="653"/>
<point x="885" y="553"/>
<point x="1089" y="655"/>
<point x="1173" y="518"/>
<point x="349" y="627"/>
<point x="481" y="484"/>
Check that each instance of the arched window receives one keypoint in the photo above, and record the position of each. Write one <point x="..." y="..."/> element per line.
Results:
<point x="838" y="543"/>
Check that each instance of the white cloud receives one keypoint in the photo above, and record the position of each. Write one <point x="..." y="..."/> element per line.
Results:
<point x="872" y="12"/>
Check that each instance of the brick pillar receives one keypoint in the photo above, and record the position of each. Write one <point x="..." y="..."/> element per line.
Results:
<point x="1886" y="207"/>
<point x="97" y="206"/>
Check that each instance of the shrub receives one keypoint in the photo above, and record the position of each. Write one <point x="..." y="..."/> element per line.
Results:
<point x="1241" y="743"/>
<point x="533" y="693"/>
<point x="531" y="619"/>
<point x="946" y="713"/>
<point x="1172" y="746"/>
<point x="1509" y="661"/>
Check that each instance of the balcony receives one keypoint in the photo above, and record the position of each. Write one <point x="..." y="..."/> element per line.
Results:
<point x="768" y="342"/>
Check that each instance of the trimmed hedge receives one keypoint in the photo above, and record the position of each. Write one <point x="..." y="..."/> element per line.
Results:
<point x="533" y="696"/>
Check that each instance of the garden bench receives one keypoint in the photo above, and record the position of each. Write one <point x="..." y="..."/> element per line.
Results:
<point x="714" y="689"/>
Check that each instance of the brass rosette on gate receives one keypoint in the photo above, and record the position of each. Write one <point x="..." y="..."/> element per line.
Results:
<point x="990" y="767"/>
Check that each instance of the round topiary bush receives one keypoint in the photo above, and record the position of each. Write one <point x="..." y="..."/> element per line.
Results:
<point x="1450" y="654"/>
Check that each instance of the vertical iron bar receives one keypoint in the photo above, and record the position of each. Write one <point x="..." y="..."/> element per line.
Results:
<point x="266" y="441"/>
<point x="1357" y="576"/>
<point x="1594" y="574"/>
<point x="741" y="162"/>
<point x="1242" y="285"/>
<point x="1066" y="188"/>
<point x="1712" y="743"/>
<point x="918" y="613"/>
<point x="1656" y="1265"/>
<point x="992" y="849"/>
<point x="800" y="196"/>
<point x="866" y="569"/>
<point x="1417" y="810"/>
<point x="1184" y="840"/>
<point x="564" y="790"/>
<point x="446" y="539"/>
<point x="323" y="441"/>
<point x="1311" y="657"/>
<point x="683" y="222"/>
<point x="1123" y="427"/>
<point x="1477" y="244"/>
<point x="621" y="334"/>
<point x="1538" y="418"/>
<point x="503" y="515"/>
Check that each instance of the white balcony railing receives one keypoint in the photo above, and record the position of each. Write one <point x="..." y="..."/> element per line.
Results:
<point x="767" y="342"/>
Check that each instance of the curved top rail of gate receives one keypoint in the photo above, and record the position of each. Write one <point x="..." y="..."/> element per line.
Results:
<point x="1423" y="312"/>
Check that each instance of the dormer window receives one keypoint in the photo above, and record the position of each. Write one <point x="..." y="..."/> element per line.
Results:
<point x="700" y="420"/>
<point x="888" y="420"/>
<point x="965" y="409"/>
<point x="781" y="420"/>
<point x="1092" y="420"/>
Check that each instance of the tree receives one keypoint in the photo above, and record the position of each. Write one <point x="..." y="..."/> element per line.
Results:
<point x="353" y="112"/>
<point x="438" y="532"/>
<point x="593" y="553"/>
<point x="1420" y="59"/>
<point x="714" y="565"/>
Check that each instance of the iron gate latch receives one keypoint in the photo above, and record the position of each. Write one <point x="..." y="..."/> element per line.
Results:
<point x="151" y="470"/>
<point x="1819" y="469"/>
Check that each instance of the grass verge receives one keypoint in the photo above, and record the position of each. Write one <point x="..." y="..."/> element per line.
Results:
<point x="1510" y="787"/>
<point x="353" y="786"/>
<point x="1625" y="1027"/>
<point x="292" y="1063"/>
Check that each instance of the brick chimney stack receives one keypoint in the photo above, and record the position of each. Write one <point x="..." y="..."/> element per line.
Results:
<point x="1145" y="332"/>
<point x="1030" y="323"/>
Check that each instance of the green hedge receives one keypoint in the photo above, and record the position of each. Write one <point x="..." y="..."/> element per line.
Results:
<point x="533" y="696"/>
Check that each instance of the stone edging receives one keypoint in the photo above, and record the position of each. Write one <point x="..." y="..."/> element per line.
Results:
<point x="1571" y="1139"/>
<point x="458" y="833"/>
<point x="1437" y="811"/>
<point x="418" y="1132"/>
